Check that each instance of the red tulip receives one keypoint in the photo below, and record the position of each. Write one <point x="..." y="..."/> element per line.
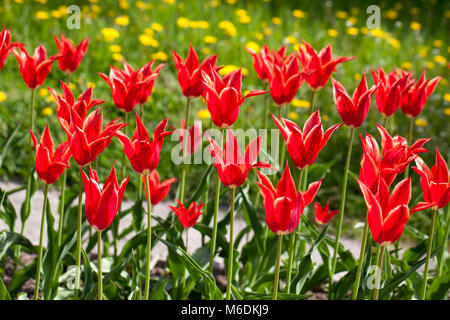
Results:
<point x="390" y="87"/>
<point x="158" y="189"/>
<point x="303" y="147"/>
<point x="415" y="97"/>
<point x="50" y="164"/>
<point x="102" y="204"/>
<point x="34" y="69"/>
<point x="71" y="56"/>
<point x="285" y="78"/>
<point x="194" y="136"/>
<point x="262" y="60"/>
<point x="321" y="65"/>
<point x="392" y="160"/>
<point x="223" y="96"/>
<point x="189" y="72"/>
<point x="231" y="166"/>
<point x="70" y="110"/>
<point x="353" y="110"/>
<point x="323" y="214"/>
<point x="5" y="46"/>
<point x="188" y="216"/>
<point x="89" y="140"/>
<point x="283" y="205"/>
<point x="387" y="213"/>
<point x="129" y="87"/>
<point x="143" y="153"/>
<point x="434" y="182"/>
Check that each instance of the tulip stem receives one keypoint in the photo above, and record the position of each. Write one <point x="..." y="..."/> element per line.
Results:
<point x="78" y="253"/>
<point x="362" y="252"/>
<point x="99" y="263"/>
<point x="410" y="136"/>
<point x="41" y="237"/>
<point x="427" y="261"/>
<point x="311" y="101"/>
<point x="444" y="245"/>
<point x="61" y="207"/>
<point x="149" y="237"/>
<point x="292" y="241"/>
<point x="380" y="256"/>
<point x="266" y="107"/>
<point x="230" y="247"/>
<point x="216" y="213"/>
<point x="342" y="208"/>
<point x="185" y="152"/>
<point x="277" y="268"/>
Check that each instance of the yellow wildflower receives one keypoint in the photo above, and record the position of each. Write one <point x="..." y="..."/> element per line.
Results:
<point x="447" y="111"/>
<point x="47" y="111"/>
<point x="157" y="27"/>
<point x="169" y="1"/>
<point x="300" y="103"/>
<point x="332" y="33"/>
<point x="391" y="14"/>
<point x="123" y="4"/>
<point x="183" y="22"/>
<point x="437" y="43"/>
<point x="293" y="115"/>
<point x="115" y="48"/>
<point x="407" y="65"/>
<point x="210" y="39"/>
<point x="340" y="14"/>
<point x="42" y="15"/>
<point x="228" y="27"/>
<point x="429" y="65"/>
<point x="420" y="122"/>
<point x="148" y="41"/>
<point x="42" y="92"/>
<point x="291" y="39"/>
<point x="416" y="26"/>
<point x="447" y="97"/>
<point x="244" y="19"/>
<point x="206" y="51"/>
<point x="110" y="34"/>
<point x="159" y="56"/>
<point x="353" y="31"/>
<point x="395" y="43"/>
<point x="276" y="20"/>
<point x="253" y="45"/>
<point x="203" y="114"/>
<point x="299" y="14"/>
<point x="117" y="56"/>
<point x="122" y="20"/>
<point x="440" y="59"/>
<point x="2" y="96"/>
<point x="91" y="84"/>
<point x="414" y="10"/>
<point x="357" y="76"/>
<point x="149" y="32"/>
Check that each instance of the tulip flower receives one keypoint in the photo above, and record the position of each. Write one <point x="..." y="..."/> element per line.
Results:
<point x="390" y="88"/>
<point x="323" y="214"/>
<point x="71" y="56"/>
<point x="158" y="189"/>
<point x="303" y="147"/>
<point x="353" y="110"/>
<point x="415" y="97"/>
<point x="436" y="193"/>
<point x="188" y="216"/>
<point x="141" y="151"/>
<point x="34" y="69"/>
<point x="102" y="205"/>
<point x="5" y="46"/>
<point x="393" y="159"/>
<point x="284" y="207"/>
<point x="231" y="166"/>
<point x="260" y="61"/>
<point x="194" y="136"/>
<point x="223" y="96"/>
<point x="89" y="140"/>
<point x="130" y="87"/>
<point x="323" y="64"/>
<point x="190" y="72"/>
<point x="50" y="163"/>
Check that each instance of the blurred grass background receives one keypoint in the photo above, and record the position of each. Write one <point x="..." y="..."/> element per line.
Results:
<point x="413" y="36"/>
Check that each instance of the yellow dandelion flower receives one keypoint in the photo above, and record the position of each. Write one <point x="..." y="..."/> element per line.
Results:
<point x="206" y="51"/>
<point x="123" y="4"/>
<point x="443" y="82"/>
<point x="56" y="14"/>
<point x="159" y="56"/>
<point x="18" y="1"/>
<point x="47" y="111"/>
<point x="267" y="31"/>
<point x="183" y="22"/>
<point x="447" y="14"/>
<point x="202" y="24"/>
<point x="354" y="11"/>
<point x="258" y="35"/>
<point x="407" y="65"/>
<point x="325" y="118"/>
<point x="240" y="12"/>
<point x="395" y="43"/>
<point x="169" y="1"/>
<point x="95" y="8"/>
<point x="228" y="27"/>
<point x="414" y="10"/>
<point x="157" y="27"/>
<point x="42" y="92"/>
<point x="110" y="34"/>
<point x="41" y="1"/>
<point x="149" y="32"/>
<point x="253" y="45"/>
<point x="231" y="1"/>
<point x="117" y="56"/>
<point x="293" y="115"/>
<point x="340" y="14"/>
<point x="291" y="39"/>
<point x="364" y="30"/>
<point x="91" y="84"/>
<point x="378" y="33"/>
<point x="214" y="3"/>
<point x="429" y="65"/>
<point x="203" y="114"/>
<point x="416" y="26"/>
<point x="300" y="103"/>
<point x="423" y="51"/>
<point x="42" y="15"/>
<point x="352" y="20"/>
<point x="276" y="20"/>
<point x="447" y="97"/>
<point x="437" y="43"/>
<point x="332" y="33"/>
<point x="357" y="76"/>
<point x="398" y="6"/>
<point x="299" y="14"/>
<point x="440" y="59"/>
<point x="2" y="96"/>
<point x="210" y="39"/>
<point x="148" y="41"/>
<point x="420" y="122"/>
<point x="353" y="31"/>
<point x="391" y="14"/>
<point x="115" y="48"/>
<point x="244" y="19"/>
<point x="122" y="20"/>
<point x="227" y="69"/>
<point x="447" y="111"/>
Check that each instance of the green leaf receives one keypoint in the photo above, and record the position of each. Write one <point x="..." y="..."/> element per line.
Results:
<point x="250" y="214"/>
<point x="21" y="276"/>
<point x="439" y="287"/>
<point x="411" y="255"/>
<point x="9" y="214"/>
<point x="8" y="239"/>
<point x="159" y="290"/>
<point x="4" y="293"/>
<point x="5" y="147"/>
<point x="280" y="296"/>
<point x="202" y="186"/>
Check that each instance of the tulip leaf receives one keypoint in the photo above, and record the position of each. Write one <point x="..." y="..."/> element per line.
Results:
<point x="21" y="276"/>
<point x="8" y="239"/>
<point x="9" y="213"/>
<point x="439" y="288"/>
<point x="250" y="214"/>
<point x="202" y="186"/>
<point x="4" y="293"/>
<point x="5" y="147"/>
<point x="280" y="296"/>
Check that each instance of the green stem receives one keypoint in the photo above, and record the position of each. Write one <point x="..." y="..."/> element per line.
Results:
<point x="380" y="268"/>
<point x="266" y="108"/>
<point x="61" y="207"/>
<point x="78" y="252"/>
<point x="410" y="137"/>
<point x="342" y="206"/>
<point x="362" y="252"/>
<point x="444" y="245"/>
<point x="427" y="261"/>
<point x="277" y="268"/>
<point x="41" y="237"/>
<point x="99" y="262"/>
<point x="292" y="241"/>
<point x="216" y="213"/>
<point x="149" y="238"/>
<point x="311" y="101"/>
<point x="185" y="146"/>
<point x="230" y="247"/>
